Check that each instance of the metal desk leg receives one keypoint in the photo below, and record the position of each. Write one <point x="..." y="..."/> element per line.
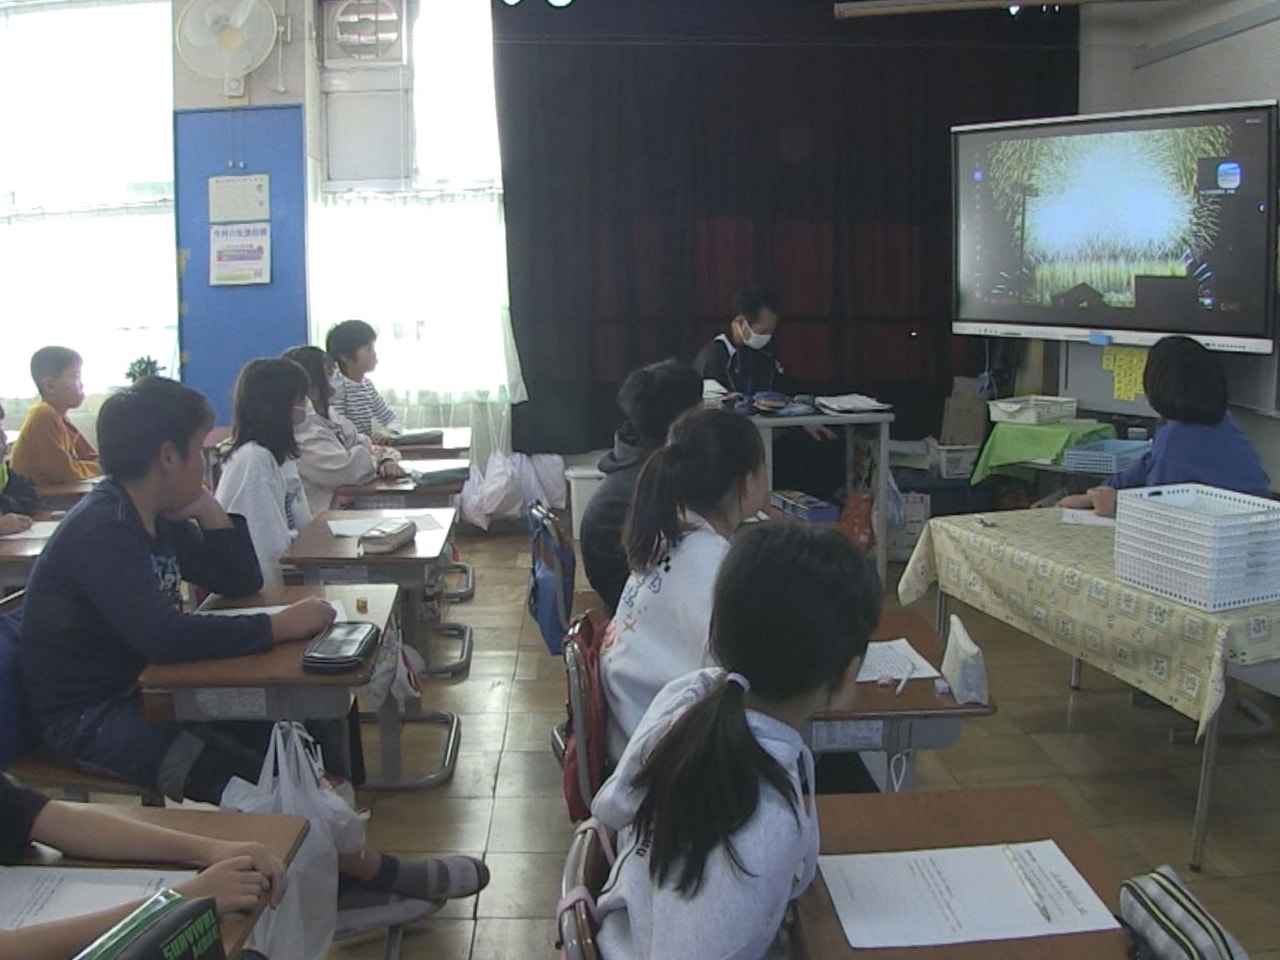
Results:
<point x="766" y="438"/>
<point x="880" y="516"/>
<point x="395" y="940"/>
<point x="1076" y="669"/>
<point x="940" y="624"/>
<point x="1200" y="826"/>
<point x="391" y="716"/>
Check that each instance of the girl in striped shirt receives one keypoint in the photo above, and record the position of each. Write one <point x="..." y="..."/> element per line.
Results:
<point x="351" y="345"/>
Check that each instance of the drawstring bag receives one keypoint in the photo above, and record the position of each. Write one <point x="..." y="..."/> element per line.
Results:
<point x="551" y="577"/>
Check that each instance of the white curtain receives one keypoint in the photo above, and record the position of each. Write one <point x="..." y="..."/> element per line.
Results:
<point x="86" y="191"/>
<point x="427" y="267"/>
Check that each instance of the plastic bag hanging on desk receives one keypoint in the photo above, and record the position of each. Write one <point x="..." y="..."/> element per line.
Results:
<point x="963" y="665"/>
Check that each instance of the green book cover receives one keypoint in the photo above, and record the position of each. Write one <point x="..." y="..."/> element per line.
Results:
<point x="166" y="927"/>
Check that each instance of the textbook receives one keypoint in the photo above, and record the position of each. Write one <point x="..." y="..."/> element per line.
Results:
<point x="169" y="926"/>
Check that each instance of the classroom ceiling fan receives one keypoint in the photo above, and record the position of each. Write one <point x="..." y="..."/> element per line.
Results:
<point x="226" y="39"/>
<point x="852" y="9"/>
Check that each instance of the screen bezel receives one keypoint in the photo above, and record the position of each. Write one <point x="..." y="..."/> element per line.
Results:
<point x="1262" y="343"/>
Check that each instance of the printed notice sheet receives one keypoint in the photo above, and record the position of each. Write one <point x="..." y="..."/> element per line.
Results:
<point x="896" y="659"/>
<point x="355" y="528"/>
<point x="31" y="895"/>
<point x="339" y="610"/>
<point x="922" y="898"/>
<point x="1087" y="518"/>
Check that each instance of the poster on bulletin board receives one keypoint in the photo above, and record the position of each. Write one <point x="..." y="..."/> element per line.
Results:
<point x="240" y="198"/>
<point x="239" y="254"/>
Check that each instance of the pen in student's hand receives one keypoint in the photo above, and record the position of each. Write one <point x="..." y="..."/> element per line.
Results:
<point x="1026" y="883"/>
<point x="903" y="682"/>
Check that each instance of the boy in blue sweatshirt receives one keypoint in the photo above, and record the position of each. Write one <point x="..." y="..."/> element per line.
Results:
<point x="1200" y="441"/>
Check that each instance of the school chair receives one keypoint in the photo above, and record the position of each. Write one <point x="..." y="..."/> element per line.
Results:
<point x="28" y="760"/>
<point x="585" y="763"/>
<point x="586" y="869"/>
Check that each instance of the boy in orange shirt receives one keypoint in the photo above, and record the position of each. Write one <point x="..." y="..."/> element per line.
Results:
<point x="49" y="448"/>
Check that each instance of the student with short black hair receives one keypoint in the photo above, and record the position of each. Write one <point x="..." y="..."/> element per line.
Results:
<point x="651" y="399"/>
<point x="1201" y="442"/>
<point x="331" y="453"/>
<point x="49" y="449"/>
<point x="103" y="602"/>
<point x="352" y="345"/>
<point x="19" y="498"/>
<point x="238" y="876"/>
<point x="741" y="360"/>
<point x="691" y="496"/>
<point x="713" y="797"/>
<point x="260" y="479"/>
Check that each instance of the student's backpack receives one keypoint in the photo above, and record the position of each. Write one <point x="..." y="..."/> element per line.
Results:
<point x="1165" y="922"/>
<point x="551" y="577"/>
<point x="586" y="759"/>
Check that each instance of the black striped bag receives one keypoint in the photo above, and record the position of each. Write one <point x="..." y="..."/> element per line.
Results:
<point x="1167" y="923"/>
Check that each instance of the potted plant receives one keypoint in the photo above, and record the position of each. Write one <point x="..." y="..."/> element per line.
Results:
<point x="143" y="367"/>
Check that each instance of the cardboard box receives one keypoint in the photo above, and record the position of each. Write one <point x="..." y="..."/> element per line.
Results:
<point x="902" y="542"/>
<point x="804" y="506"/>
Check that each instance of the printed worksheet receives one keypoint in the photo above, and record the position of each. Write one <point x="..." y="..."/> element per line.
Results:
<point x="895" y="659"/>
<point x="31" y="895"/>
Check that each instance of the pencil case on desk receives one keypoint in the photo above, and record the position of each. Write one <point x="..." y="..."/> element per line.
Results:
<point x="388" y="536"/>
<point x="167" y="927"/>
<point x="341" y="648"/>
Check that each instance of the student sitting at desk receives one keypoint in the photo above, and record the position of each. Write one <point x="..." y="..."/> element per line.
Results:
<point x="103" y="602"/>
<point x="691" y="496"/>
<point x="351" y="344"/>
<point x="651" y="398"/>
<point x="331" y="452"/>
<point x="713" y="798"/>
<point x="19" y="499"/>
<point x="1200" y="441"/>
<point x="49" y="449"/>
<point x="260" y="479"/>
<point x="239" y="875"/>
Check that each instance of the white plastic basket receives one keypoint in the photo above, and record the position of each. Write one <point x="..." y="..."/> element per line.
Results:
<point x="1208" y="548"/>
<point x="1032" y="409"/>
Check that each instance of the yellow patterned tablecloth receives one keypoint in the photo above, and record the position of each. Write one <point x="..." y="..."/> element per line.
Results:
<point x="1057" y="582"/>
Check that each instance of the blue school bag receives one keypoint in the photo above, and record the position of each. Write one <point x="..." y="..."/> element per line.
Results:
<point x="551" y="577"/>
<point x="18" y="731"/>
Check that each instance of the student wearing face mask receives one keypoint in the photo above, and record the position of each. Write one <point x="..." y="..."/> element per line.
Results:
<point x="742" y="360"/>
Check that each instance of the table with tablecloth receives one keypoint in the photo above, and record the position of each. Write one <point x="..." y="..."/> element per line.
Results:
<point x="1056" y="582"/>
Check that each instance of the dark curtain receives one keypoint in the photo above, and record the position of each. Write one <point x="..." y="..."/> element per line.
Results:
<point x="653" y="165"/>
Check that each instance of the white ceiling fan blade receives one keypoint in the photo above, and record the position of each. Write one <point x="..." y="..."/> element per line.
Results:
<point x="242" y="12"/>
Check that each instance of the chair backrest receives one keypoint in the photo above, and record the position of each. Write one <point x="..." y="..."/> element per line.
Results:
<point x="586" y="869"/>
<point x="18" y="731"/>
<point x="585" y="758"/>
<point x="551" y="578"/>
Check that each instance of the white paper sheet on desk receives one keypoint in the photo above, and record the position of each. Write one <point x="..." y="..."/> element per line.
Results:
<point x="31" y="895"/>
<point x="338" y="608"/>
<point x="1087" y="518"/>
<point x="850" y="403"/>
<point x="40" y="530"/>
<point x="894" y="658"/>
<point x="919" y="898"/>
<point x="354" y="528"/>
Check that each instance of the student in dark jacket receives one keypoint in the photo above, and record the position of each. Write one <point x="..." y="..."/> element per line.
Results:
<point x="19" y="499"/>
<point x="651" y="398"/>
<point x="742" y="360"/>
<point x="103" y="602"/>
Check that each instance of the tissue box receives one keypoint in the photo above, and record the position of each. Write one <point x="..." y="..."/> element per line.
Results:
<point x="804" y="506"/>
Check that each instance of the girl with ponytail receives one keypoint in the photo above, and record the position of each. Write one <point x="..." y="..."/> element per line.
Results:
<point x="691" y="496"/>
<point x="713" y="798"/>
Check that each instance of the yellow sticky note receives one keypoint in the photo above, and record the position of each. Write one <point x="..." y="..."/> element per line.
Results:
<point x="1127" y="366"/>
<point x="1109" y="358"/>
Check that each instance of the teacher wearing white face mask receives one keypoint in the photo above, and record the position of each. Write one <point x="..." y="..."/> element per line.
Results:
<point x="741" y="360"/>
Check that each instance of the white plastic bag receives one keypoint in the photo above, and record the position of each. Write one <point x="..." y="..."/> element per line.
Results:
<point x="963" y="665"/>
<point x="495" y="494"/>
<point x="301" y="928"/>
<point x="542" y="479"/>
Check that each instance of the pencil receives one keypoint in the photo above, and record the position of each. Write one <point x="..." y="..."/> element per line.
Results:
<point x="911" y="669"/>
<point x="1026" y="883"/>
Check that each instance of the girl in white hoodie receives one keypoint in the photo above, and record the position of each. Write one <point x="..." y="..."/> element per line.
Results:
<point x="331" y="452"/>
<point x="713" y="798"/>
<point x="260" y="479"/>
<point x="690" y="497"/>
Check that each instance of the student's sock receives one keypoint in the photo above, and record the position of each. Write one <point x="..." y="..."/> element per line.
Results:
<point x="444" y="879"/>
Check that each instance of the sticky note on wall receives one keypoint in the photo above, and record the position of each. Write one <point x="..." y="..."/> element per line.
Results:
<point x="1127" y="365"/>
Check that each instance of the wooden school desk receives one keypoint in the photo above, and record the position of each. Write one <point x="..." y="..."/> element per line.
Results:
<point x="919" y="718"/>
<point x="875" y="823"/>
<point x="17" y="557"/>
<point x="1056" y="583"/>
<point x="880" y="420"/>
<point x="393" y="493"/>
<point x="455" y="444"/>
<point x="64" y="496"/>
<point x="282" y="836"/>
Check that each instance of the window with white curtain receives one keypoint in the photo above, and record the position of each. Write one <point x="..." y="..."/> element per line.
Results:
<point x="86" y="189"/>
<point x="427" y="267"/>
